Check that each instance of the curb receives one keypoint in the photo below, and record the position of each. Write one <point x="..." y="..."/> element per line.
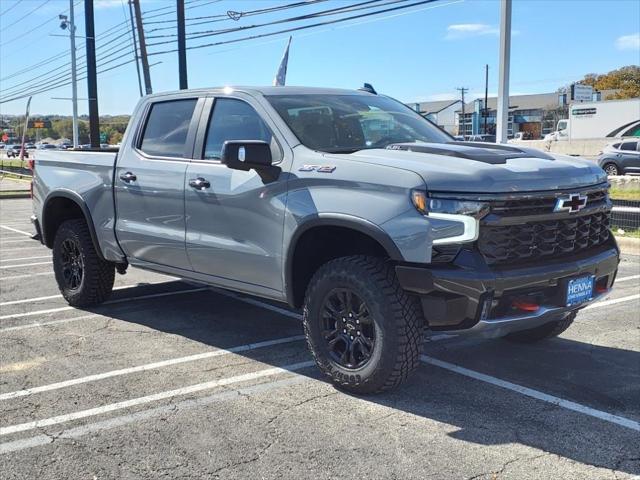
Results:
<point x="629" y="246"/>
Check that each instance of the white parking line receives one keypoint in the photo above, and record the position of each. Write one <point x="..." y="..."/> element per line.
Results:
<point x="51" y="297"/>
<point x="13" y="240"/>
<point x="613" y="301"/>
<point x="110" y="302"/>
<point x="529" y="392"/>
<point x="122" y="420"/>
<point x="24" y="265"/>
<point x="150" y="366"/>
<point x="153" y="398"/>
<point x="16" y="230"/>
<point x="46" y="324"/>
<point x="626" y="279"/>
<point x="26" y="275"/>
<point x="24" y="258"/>
<point x="258" y="303"/>
<point x="20" y="249"/>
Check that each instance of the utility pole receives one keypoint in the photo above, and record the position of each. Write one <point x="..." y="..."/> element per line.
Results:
<point x="182" y="46"/>
<point x="135" y="47"/>
<point x="503" y="73"/>
<point x="486" y="97"/>
<point x="143" y="48"/>
<point x="92" y="74"/>
<point x="70" y="24"/>
<point x="462" y="91"/>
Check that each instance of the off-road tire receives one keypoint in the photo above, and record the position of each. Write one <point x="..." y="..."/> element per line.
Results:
<point x="98" y="275"/>
<point x="398" y="320"/>
<point x="543" y="332"/>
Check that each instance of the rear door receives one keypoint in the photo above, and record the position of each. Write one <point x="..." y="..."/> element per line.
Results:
<point x="630" y="156"/>
<point x="149" y="183"/>
<point x="235" y="218"/>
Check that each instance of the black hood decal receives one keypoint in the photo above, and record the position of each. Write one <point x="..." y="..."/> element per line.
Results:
<point x="491" y="153"/>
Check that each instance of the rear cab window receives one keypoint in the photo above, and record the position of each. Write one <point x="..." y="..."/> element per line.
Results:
<point x="166" y="128"/>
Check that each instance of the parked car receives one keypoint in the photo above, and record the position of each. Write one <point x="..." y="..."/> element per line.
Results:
<point x="345" y="204"/>
<point x="13" y="151"/>
<point x="484" y="137"/>
<point x="621" y="157"/>
<point x="30" y="146"/>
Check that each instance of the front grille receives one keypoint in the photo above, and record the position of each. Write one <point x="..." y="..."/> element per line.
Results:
<point x="540" y="206"/>
<point x="526" y="242"/>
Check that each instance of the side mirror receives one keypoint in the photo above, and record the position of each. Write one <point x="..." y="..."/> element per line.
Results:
<point x="246" y="154"/>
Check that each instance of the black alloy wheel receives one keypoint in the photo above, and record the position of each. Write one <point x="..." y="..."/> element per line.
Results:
<point x="348" y="329"/>
<point x="72" y="264"/>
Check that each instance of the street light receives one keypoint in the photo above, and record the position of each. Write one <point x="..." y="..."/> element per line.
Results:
<point x="67" y="23"/>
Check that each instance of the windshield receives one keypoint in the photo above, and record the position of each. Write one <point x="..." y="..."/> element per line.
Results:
<point x="348" y="123"/>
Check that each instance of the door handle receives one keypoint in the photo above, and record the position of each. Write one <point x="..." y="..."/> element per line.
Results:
<point x="199" y="183"/>
<point x="128" y="177"/>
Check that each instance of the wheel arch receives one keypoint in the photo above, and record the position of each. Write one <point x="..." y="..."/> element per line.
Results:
<point x="375" y="241"/>
<point x="62" y="205"/>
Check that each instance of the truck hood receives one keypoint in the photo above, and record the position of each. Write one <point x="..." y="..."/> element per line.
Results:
<point x="468" y="167"/>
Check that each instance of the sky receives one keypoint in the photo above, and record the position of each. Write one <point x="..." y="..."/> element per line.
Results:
<point x="421" y="53"/>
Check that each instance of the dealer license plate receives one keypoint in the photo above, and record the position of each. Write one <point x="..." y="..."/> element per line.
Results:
<point x="580" y="290"/>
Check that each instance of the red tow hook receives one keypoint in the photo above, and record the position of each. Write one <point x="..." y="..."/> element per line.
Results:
<point x="601" y="289"/>
<point x="525" y="305"/>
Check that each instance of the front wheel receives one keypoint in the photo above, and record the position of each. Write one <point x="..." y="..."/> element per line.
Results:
<point x="84" y="279"/>
<point x="364" y="331"/>
<point x="543" y="332"/>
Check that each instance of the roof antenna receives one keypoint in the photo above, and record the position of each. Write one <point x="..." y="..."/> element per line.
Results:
<point x="367" y="87"/>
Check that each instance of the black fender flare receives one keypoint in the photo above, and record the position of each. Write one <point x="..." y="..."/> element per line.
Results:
<point x="78" y="200"/>
<point x="336" y="220"/>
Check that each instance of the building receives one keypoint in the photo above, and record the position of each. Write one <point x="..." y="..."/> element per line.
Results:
<point x="534" y="115"/>
<point x="442" y="113"/>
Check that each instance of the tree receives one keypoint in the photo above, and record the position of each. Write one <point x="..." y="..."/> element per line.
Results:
<point x="626" y="80"/>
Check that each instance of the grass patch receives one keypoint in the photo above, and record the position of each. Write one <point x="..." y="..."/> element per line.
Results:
<point x="625" y="193"/>
<point x="627" y="233"/>
<point x="12" y="162"/>
<point x="14" y="193"/>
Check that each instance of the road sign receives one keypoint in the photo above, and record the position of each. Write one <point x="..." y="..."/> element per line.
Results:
<point x="39" y="124"/>
<point x="103" y="137"/>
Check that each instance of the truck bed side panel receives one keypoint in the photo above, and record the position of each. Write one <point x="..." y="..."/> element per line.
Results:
<point x="86" y="176"/>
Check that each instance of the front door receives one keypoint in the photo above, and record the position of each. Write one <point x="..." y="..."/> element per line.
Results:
<point x="149" y="185"/>
<point x="235" y="218"/>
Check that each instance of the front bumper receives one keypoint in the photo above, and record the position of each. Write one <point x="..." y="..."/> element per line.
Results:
<point x="470" y="297"/>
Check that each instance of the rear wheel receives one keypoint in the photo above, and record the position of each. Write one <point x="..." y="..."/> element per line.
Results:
<point x="543" y="332"/>
<point x="611" y="169"/>
<point x="363" y="330"/>
<point x="84" y="279"/>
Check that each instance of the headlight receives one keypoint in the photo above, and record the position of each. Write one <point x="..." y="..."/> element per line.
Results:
<point x="426" y="205"/>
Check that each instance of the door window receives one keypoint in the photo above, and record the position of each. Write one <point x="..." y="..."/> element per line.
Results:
<point x="165" y="133"/>
<point x="234" y="120"/>
<point x="629" y="146"/>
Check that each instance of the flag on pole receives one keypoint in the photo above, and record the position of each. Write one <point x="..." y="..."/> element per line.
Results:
<point x="281" y="76"/>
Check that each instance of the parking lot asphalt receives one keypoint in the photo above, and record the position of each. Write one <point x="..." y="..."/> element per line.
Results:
<point x="175" y="380"/>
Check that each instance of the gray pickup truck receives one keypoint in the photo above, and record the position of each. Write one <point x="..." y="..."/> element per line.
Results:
<point x="346" y="204"/>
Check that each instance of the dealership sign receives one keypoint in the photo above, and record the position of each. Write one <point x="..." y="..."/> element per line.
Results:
<point x="581" y="93"/>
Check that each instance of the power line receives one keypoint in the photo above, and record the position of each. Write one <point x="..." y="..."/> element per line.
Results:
<point x="235" y="16"/>
<point x="30" y="68"/>
<point x="303" y="27"/>
<point x="309" y="16"/>
<point x="10" y="8"/>
<point x="15" y="22"/>
<point x="35" y="28"/>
